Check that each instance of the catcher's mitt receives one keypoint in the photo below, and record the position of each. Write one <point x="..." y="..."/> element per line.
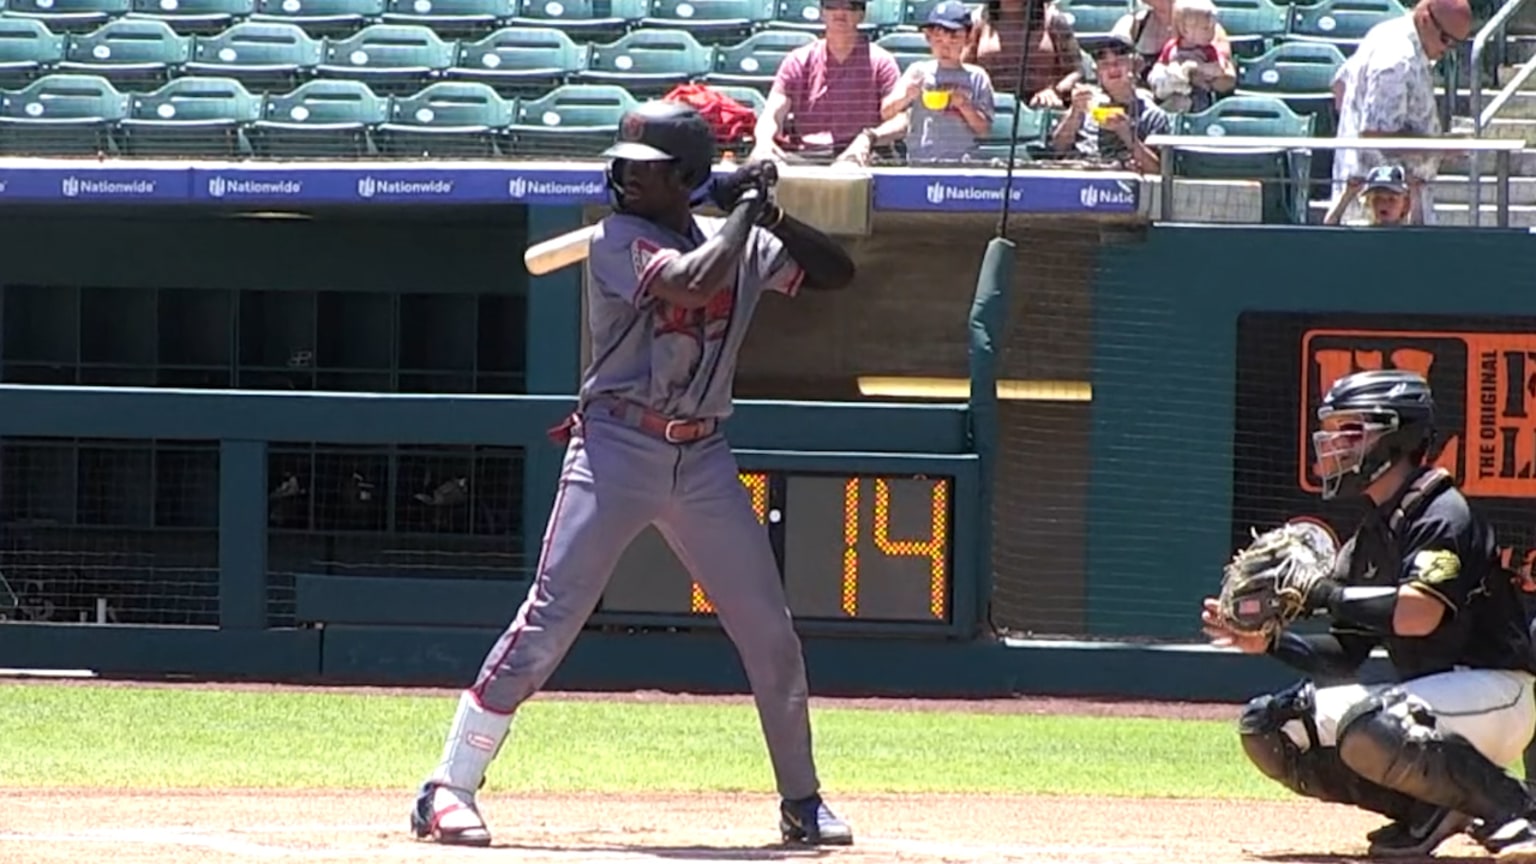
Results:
<point x="1265" y="586"/>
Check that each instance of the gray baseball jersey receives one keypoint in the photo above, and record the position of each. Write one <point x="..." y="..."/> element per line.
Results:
<point x="618" y="479"/>
<point x="680" y="362"/>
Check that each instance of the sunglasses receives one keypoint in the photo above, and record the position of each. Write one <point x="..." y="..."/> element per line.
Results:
<point x="1446" y="38"/>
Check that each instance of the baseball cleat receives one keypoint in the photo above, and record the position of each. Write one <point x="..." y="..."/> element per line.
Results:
<point x="1513" y="842"/>
<point x="811" y="821"/>
<point x="1417" y="838"/>
<point x="448" y="816"/>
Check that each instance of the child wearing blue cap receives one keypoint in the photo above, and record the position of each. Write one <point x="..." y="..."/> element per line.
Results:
<point x="950" y="100"/>
<point x="1391" y="198"/>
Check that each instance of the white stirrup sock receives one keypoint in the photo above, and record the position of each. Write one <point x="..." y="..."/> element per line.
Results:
<point x="474" y="739"/>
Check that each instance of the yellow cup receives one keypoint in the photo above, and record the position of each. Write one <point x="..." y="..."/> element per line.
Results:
<point x="935" y="100"/>
<point x="1104" y="112"/>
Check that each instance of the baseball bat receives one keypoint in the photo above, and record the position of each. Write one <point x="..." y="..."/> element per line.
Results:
<point x="560" y="251"/>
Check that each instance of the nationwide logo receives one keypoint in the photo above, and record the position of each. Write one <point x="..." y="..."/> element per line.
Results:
<point x="1485" y="398"/>
<point x="522" y="187"/>
<point x="218" y="187"/>
<point x="368" y="187"/>
<point x="1095" y="195"/>
<point x="940" y="192"/>
<point x="73" y="187"/>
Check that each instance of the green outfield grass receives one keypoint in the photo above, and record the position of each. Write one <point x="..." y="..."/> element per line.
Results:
<point x="142" y="738"/>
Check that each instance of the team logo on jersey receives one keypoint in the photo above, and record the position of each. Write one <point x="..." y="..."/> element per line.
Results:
<point x="641" y="252"/>
<point x="706" y="324"/>
<point x="1434" y="566"/>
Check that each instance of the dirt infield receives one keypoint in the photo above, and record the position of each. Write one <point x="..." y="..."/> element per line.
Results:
<point x="244" y="827"/>
<point x="62" y="827"/>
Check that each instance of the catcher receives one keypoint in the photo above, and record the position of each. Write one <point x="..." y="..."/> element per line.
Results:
<point x="1421" y="578"/>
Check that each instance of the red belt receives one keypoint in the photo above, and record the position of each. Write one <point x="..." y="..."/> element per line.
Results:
<point x="668" y="429"/>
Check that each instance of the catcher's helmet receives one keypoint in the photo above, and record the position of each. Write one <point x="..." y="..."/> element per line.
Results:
<point x="1370" y="421"/>
<point x="659" y="130"/>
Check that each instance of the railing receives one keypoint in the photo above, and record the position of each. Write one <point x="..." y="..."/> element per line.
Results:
<point x="1501" y="149"/>
<point x="1481" y="116"/>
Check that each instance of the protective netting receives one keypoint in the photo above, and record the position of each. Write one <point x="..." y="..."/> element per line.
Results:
<point x="1041" y="482"/>
<point x="408" y="511"/>
<point x="100" y="531"/>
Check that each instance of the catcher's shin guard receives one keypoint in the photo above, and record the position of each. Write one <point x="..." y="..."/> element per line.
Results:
<point x="1393" y="740"/>
<point x="1316" y="771"/>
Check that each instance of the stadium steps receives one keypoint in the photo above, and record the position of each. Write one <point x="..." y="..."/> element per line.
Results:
<point x="1517" y="120"/>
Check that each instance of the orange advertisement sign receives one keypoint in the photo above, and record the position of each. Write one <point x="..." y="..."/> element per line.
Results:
<point x="1485" y="397"/>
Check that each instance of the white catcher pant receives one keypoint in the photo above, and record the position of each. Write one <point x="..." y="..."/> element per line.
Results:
<point x="1494" y="709"/>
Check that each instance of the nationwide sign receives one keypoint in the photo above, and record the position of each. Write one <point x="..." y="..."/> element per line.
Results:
<point x="1085" y="193"/>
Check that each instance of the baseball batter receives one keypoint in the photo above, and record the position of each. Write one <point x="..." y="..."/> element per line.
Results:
<point x="669" y="299"/>
<point x="1421" y="578"/>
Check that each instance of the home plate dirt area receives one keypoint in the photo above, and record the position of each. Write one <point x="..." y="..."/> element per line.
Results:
<point x="60" y="826"/>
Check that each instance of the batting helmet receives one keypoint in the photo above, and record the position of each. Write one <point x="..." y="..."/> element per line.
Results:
<point x="659" y="130"/>
<point x="1370" y="421"/>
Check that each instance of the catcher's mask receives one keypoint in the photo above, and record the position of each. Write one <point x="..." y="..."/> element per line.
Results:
<point x="658" y="133"/>
<point x="1368" y="422"/>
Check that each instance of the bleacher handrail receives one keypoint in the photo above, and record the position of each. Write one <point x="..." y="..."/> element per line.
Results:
<point x="1500" y="148"/>
<point x="1482" y="116"/>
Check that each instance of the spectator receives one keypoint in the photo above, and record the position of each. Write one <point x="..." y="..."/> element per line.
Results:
<point x="1054" y="64"/>
<point x="1149" y="29"/>
<point x="827" y="95"/>
<point x="1386" y="88"/>
<point x="1112" y="121"/>
<point x="1190" y="69"/>
<point x="1389" y="198"/>
<point x="950" y="102"/>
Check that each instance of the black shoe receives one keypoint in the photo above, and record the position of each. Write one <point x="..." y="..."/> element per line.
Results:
<point x="811" y="821"/>
<point x="1417" y="838"/>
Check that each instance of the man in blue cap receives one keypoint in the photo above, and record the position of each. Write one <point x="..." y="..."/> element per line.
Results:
<point x="950" y="100"/>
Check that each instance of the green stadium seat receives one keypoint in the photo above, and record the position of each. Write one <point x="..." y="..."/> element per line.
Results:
<point x="320" y="119"/>
<point x="1284" y="173"/>
<point x="907" y="48"/>
<point x="584" y="20"/>
<point x="132" y="54"/>
<point x="519" y="61"/>
<point x="571" y="120"/>
<point x="28" y="49"/>
<point x="192" y="17"/>
<point x="1300" y="73"/>
<point x="68" y="16"/>
<point x="458" y="19"/>
<point x="61" y="115"/>
<point x="712" y="22"/>
<point x="1340" y="22"/>
<point x="755" y="60"/>
<point x="262" y="56"/>
<point x="454" y="119"/>
<point x="390" y="58"/>
<point x="1091" y="18"/>
<point x="1034" y="127"/>
<point x="1252" y="25"/>
<point x="879" y="16"/>
<point x="648" y="63"/>
<point x="190" y="117"/>
<point x="320" y="17"/>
